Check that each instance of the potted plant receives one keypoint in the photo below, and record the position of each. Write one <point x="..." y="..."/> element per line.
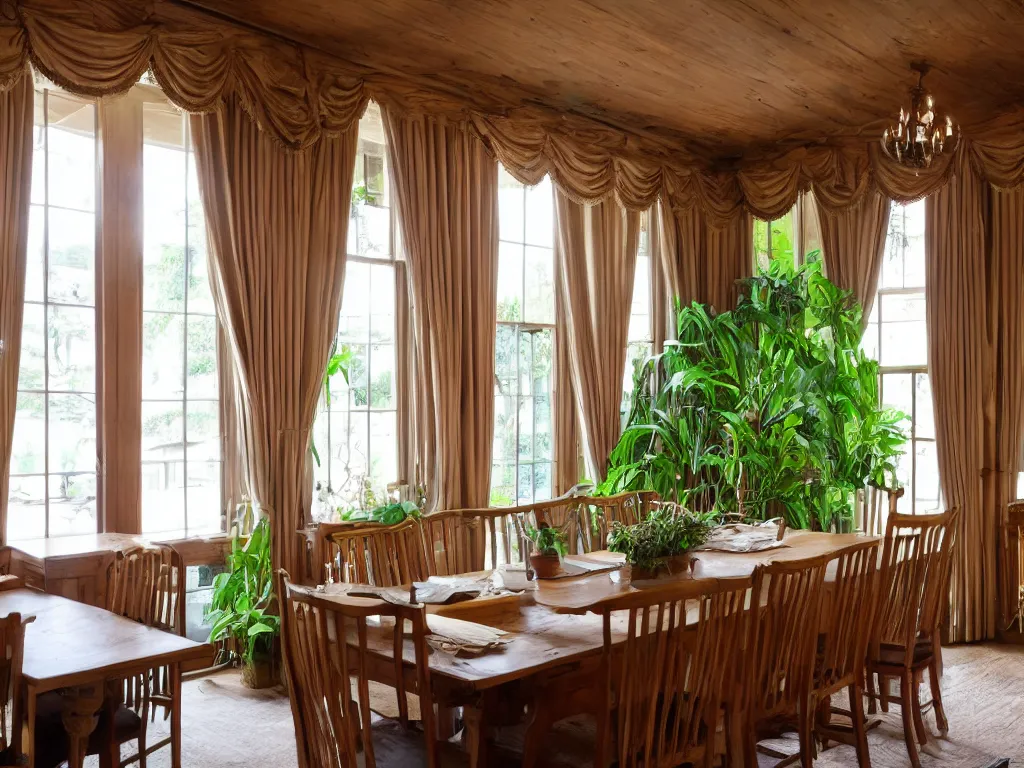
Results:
<point x="548" y="550"/>
<point x="660" y="542"/>
<point x="243" y="597"/>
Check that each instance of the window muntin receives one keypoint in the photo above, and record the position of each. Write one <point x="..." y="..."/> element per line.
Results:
<point x="181" y="449"/>
<point x="53" y="463"/>
<point x="522" y="456"/>
<point x="356" y="436"/>
<point x="897" y="336"/>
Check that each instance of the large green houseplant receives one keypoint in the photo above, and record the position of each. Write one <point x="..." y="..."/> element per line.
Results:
<point x="242" y="607"/>
<point x="769" y="409"/>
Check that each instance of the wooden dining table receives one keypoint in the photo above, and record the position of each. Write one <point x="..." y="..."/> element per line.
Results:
<point x="551" y="630"/>
<point x="83" y="652"/>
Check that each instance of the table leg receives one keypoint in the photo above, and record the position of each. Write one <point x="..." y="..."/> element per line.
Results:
<point x="110" y="752"/>
<point x="28" y="727"/>
<point x="475" y="734"/>
<point x="81" y="705"/>
<point x="175" y="704"/>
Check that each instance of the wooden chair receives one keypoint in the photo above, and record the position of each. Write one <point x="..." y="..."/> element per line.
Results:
<point x="147" y="585"/>
<point x="324" y="644"/>
<point x="664" y="687"/>
<point x="597" y="513"/>
<point x="778" y="660"/>
<point x="843" y="645"/>
<point x="914" y="581"/>
<point x="381" y="555"/>
<point x="12" y="652"/>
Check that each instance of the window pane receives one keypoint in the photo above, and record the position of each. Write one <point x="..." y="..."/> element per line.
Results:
<point x="34" y="260"/>
<point x="382" y="303"/>
<point x="28" y="454"/>
<point x="355" y="306"/>
<point x="163" y="496"/>
<point x="163" y="345"/>
<point x="511" y="207"/>
<point x="202" y="357"/>
<point x="203" y="497"/>
<point x="904" y="331"/>
<point x="540" y="285"/>
<point x="71" y="149"/>
<point x="926" y="480"/>
<point x="72" y="501"/>
<point x="72" y="349"/>
<point x="924" y="416"/>
<point x="540" y="214"/>
<point x="32" y="373"/>
<point x="510" y="282"/>
<point x="26" y="508"/>
<point x="162" y="431"/>
<point x="382" y="364"/>
<point x="72" y="434"/>
<point x="72" y="248"/>
<point x="203" y="431"/>
<point x="383" y="449"/>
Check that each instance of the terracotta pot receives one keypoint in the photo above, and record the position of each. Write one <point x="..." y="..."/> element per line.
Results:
<point x="261" y="672"/>
<point x="545" y="566"/>
<point x="681" y="565"/>
<point x="643" y="574"/>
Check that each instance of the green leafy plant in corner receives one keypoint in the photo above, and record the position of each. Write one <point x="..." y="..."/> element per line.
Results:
<point x="768" y="410"/>
<point x="665" y="532"/>
<point x="547" y="540"/>
<point x="391" y="513"/>
<point x="243" y="595"/>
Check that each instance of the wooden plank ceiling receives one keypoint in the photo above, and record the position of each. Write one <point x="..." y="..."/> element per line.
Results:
<point x="722" y="77"/>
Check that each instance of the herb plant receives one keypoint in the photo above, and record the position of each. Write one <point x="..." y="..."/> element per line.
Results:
<point x="243" y="595"/>
<point x="665" y="532"/>
<point x="547" y="540"/>
<point x="768" y="410"/>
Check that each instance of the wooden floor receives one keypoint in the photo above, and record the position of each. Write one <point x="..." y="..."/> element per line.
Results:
<point x="229" y="726"/>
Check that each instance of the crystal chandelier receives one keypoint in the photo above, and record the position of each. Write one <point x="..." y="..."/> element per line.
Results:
<point x="922" y="133"/>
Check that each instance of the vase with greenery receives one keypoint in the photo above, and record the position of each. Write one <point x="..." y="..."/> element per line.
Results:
<point x="548" y="550"/>
<point x="666" y="534"/>
<point x="768" y="410"/>
<point x="243" y="605"/>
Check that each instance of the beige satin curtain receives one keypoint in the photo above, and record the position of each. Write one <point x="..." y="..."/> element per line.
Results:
<point x="853" y="245"/>
<point x="15" y="187"/>
<point x="446" y="187"/>
<point x="595" y="255"/>
<point x="567" y="438"/>
<point x="277" y="222"/>
<point x="975" y="273"/>
<point x="702" y="263"/>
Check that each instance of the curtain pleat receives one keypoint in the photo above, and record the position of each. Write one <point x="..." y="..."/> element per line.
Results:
<point x="961" y="356"/>
<point x="15" y="190"/>
<point x="277" y="222"/>
<point x="446" y="188"/>
<point x="566" y="426"/>
<point x="1008" y="288"/>
<point x="853" y="244"/>
<point x="595" y="256"/>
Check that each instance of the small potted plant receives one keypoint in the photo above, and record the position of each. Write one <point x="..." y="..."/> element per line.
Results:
<point x="548" y="550"/>
<point x="241" y="610"/>
<point x="661" y="542"/>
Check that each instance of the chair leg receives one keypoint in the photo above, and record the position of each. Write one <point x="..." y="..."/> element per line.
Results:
<point x="872" y="693"/>
<point x="859" y="729"/>
<point x="940" y="714"/>
<point x="884" y="689"/>
<point x="919" y="727"/>
<point x="805" y="713"/>
<point x="907" y="707"/>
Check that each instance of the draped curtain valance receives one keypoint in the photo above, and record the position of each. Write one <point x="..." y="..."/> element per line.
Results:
<point x="299" y="95"/>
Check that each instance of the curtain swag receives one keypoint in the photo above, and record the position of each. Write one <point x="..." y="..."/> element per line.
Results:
<point x="299" y="95"/>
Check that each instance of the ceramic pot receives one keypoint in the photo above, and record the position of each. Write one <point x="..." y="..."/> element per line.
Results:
<point x="545" y="566"/>
<point x="681" y="565"/>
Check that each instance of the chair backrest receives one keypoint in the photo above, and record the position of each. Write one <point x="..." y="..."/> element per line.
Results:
<point x="916" y="561"/>
<point x="326" y="641"/>
<point x="597" y="513"/>
<point x="851" y="602"/>
<point x="782" y="634"/>
<point x="147" y="585"/>
<point x="667" y="681"/>
<point x="12" y="653"/>
<point x="382" y="555"/>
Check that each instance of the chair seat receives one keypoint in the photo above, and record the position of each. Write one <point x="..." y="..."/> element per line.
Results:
<point x="894" y="655"/>
<point x="51" y="742"/>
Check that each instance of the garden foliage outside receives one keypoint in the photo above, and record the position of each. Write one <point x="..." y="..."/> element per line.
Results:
<point x="766" y="410"/>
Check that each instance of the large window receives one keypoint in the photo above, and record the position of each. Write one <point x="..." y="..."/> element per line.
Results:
<point x="897" y="337"/>
<point x="181" y="468"/>
<point x="523" y="446"/>
<point x="639" y="343"/>
<point x="790" y="239"/>
<point x="53" y="465"/>
<point x="356" y="434"/>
